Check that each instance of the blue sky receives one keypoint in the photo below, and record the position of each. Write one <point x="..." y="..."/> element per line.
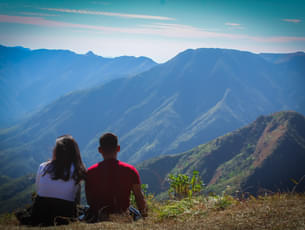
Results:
<point x="153" y="28"/>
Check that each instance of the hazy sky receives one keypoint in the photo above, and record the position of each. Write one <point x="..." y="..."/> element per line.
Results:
<point x="153" y="28"/>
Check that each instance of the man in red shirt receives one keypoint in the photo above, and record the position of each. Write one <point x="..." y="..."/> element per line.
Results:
<point x="109" y="182"/>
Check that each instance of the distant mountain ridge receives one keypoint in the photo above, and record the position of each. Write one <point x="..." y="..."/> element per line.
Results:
<point x="281" y="58"/>
<point x="263" y="156"/>
<point x="195" y="97"/>
<point x="31" y="79"/>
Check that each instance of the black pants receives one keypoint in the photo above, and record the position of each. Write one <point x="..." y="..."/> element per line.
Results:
<point x="49" y="211"/>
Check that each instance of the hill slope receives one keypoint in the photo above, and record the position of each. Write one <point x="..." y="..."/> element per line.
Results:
<point x="193" y="98"/>
<point x="266" y="154"/>
<point x="30" y="79"/>
<point x="279" y="211"/>
<point x="16" y="193"/>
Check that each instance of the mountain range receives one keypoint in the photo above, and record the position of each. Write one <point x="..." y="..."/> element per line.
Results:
<point x="31" y="79"/>
<point x="191" y="99"/>
<point x="266" y="155"/>
<point x="156" y="110"/>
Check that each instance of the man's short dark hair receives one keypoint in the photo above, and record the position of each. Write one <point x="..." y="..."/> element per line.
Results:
<point x="108" y="142"/>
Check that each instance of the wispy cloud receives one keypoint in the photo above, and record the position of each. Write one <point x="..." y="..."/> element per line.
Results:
<point x="37" y="14"/>
<point x="183" y="31"/>
<point x="279" y="39"/>
<point x="51" y="23"/>
<point x="122" y="15"/>
<point x="158" y="29"/>
<point x="232" y="24"/>
<point x="291" y="20"/>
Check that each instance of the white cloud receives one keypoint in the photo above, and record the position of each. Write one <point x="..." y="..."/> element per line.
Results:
<point x="122" y="15"/>
<point x="37" y="14"/>
<point x="232" y="24"/>
<point x="182" y="31"/>
<point x="291" y="20"/>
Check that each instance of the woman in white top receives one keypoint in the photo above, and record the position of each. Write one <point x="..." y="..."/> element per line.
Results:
<point x="58" y="183"/>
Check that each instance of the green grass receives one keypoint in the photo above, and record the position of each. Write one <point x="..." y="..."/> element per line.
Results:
<point x="277" y="211"/>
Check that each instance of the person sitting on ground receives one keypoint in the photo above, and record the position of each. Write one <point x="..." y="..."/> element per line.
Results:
<point x="58" y="183"/>
<point x="110" y="182"/>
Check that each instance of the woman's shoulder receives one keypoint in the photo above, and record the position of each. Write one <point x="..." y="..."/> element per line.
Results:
<point x="43" y="165"/>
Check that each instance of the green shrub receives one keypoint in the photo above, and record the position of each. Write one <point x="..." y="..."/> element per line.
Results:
<point x="182" y="185"/>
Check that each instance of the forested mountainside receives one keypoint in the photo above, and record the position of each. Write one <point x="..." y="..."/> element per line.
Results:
<point x="267" y="155"/>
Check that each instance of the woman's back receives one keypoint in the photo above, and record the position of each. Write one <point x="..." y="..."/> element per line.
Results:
<point x="60" y="189"/>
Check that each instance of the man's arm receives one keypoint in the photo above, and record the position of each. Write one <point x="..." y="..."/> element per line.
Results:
<point x="137" y="191"/>
<point x="88" y="190"/>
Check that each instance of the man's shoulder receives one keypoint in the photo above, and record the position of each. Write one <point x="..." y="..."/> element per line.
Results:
<point x="130" y="172"/>
<point x="126" y="165"/>
<point x="93" y="167"/>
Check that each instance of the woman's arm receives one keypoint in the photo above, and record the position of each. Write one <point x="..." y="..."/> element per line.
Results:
<point x="38" y="175"/>
<point x="77" y="195"/>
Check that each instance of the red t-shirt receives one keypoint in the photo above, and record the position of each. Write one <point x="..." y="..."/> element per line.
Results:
<point x="108" y="185"/>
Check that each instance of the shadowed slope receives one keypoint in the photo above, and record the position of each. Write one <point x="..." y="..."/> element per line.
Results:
<point x="266" y="154"/>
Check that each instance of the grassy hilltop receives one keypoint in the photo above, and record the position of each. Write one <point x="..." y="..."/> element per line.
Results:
<point x="277" y="211"/>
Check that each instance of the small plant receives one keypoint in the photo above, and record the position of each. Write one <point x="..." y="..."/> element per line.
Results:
<point x="144" y="188"/>
<point x="176" y="208"/>
<point x="296" y="183"/>
<point x="182" y="186"/>
<point x="220" y="202"/>
<point x="224" y="202"/>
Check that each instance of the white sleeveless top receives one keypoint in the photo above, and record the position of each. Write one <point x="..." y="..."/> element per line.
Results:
<point x="60" y="189"/>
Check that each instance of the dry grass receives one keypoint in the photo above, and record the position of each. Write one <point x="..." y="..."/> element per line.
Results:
<point x="279" y="211"/>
